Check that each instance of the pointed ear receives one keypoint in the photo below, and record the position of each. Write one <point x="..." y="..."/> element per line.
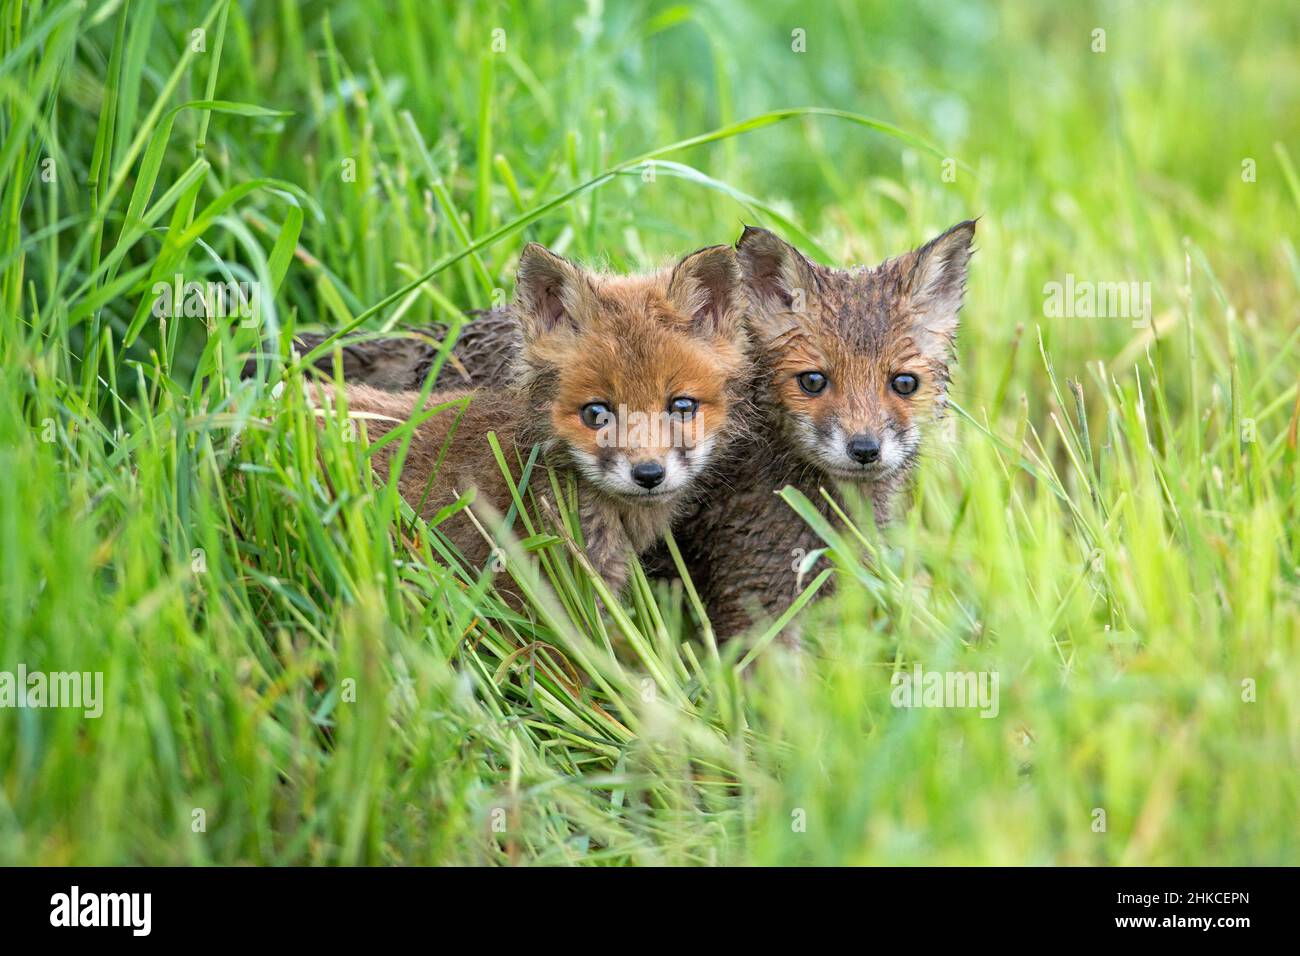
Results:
<point x="550" y="292"/>
<point x="778" y="276"/>
<point x="705" y="286"/>
<point x="936" y="280"/>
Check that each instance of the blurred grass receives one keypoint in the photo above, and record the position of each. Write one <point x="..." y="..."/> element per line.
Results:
<point x="1113" y="528"/>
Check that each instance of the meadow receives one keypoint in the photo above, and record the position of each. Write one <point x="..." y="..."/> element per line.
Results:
<point x="293" y="670"/>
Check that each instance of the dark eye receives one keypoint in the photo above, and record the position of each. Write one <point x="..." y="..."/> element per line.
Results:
<point x="683" y="406"/>
<point x="904" y="383"/>
<point x="814" y="383"/>
<point x="595" y="415"/>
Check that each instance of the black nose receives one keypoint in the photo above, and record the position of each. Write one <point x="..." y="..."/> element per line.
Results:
<point x="864" y="448"/>
<point x="648" y="473"/>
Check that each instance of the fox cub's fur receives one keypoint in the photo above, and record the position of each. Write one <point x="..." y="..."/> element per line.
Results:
<point x="631" y="384"/>
<point x="486" y="354"/>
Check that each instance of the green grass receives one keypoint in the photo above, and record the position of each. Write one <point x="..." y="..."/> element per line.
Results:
<point x="1113" y="525"/>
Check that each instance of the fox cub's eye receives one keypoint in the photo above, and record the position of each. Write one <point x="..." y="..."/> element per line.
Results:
<point x="595" y="415"/>
<point x="683" y="406"/>
<point x="904" y="383"/>
<point x="814" y="383"/>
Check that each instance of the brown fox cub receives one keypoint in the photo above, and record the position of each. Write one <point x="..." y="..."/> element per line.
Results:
<point x="632" y="384"/>
<point x="850" y="367"/>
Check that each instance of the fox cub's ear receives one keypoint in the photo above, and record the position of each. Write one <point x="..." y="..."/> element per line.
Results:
<point x="705" y="286"/>
<point x="935" y="279"/>
<point x="779" y="277"/>
<point x="551" y="293"/>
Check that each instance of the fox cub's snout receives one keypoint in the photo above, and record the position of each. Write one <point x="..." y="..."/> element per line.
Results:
<point x="638" y="377"/>
<point x="858" y="359"/>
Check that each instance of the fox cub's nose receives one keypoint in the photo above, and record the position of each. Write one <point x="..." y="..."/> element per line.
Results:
<point x="864" y="448"/>
<point x="648" y="473"/>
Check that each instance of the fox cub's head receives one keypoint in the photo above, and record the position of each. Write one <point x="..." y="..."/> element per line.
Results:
<point x="638" y="378"/>
<point x="858" y="359"/>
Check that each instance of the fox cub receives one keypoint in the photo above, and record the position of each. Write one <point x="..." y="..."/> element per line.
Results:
<point x="850" y="367"/>
<point x="630" y="384"/>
